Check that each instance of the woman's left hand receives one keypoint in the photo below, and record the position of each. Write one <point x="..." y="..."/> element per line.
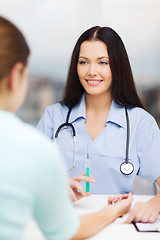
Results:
<point x="144" y="211"/>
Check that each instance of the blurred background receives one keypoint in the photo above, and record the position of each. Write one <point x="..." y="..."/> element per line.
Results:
<point x="52" y="28"/>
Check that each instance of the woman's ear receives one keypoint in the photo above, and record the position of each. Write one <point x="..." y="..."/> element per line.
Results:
<point x="15" y="76"/>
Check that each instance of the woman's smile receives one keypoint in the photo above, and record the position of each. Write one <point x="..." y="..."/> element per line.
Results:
<point x="93" y="82"/>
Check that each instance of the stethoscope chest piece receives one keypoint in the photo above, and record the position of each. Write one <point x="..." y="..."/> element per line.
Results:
<point x="127" y="168"/>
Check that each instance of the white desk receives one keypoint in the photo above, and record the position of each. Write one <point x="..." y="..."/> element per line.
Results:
<point x="114" y="231"/>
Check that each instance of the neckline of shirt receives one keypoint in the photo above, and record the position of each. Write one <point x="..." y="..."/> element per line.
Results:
<point x="116" y="113"/>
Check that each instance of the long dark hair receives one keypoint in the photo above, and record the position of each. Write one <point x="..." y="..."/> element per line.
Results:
<point x="13" y="47"/>
<point x="123" y="86"/>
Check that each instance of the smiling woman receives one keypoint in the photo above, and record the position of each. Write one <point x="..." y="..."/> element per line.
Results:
<point x="112" y="126"/>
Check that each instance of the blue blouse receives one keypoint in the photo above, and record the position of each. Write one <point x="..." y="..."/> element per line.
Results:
<point x="107" y="151"/>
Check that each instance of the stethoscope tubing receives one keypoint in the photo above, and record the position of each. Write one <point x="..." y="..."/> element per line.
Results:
<point x="128" y="134"/>
<point x="126" y="167"/>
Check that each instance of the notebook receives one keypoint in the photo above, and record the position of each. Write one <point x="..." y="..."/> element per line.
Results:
<point x="148" y="227"/>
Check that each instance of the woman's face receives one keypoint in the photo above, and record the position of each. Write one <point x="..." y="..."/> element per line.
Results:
<point x="93" y="68"/>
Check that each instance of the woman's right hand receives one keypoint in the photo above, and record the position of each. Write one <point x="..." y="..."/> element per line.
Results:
<point x="76" y="190"/>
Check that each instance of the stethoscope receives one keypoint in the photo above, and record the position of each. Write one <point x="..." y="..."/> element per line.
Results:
<point x="126" y="167"/>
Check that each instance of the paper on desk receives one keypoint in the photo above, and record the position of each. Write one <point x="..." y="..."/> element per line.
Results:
<point x="148" y="227"/>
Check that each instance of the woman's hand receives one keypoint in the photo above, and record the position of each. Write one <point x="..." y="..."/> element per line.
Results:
<point x="92" y="223"/>
<point x="76" y="190"/>
<point x="121" y="203"/>
<point x="144" y="212"/>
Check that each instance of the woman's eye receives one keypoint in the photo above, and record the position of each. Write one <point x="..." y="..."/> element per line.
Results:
<point x="82" y="62"/>
<point x="103" y="63"/>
